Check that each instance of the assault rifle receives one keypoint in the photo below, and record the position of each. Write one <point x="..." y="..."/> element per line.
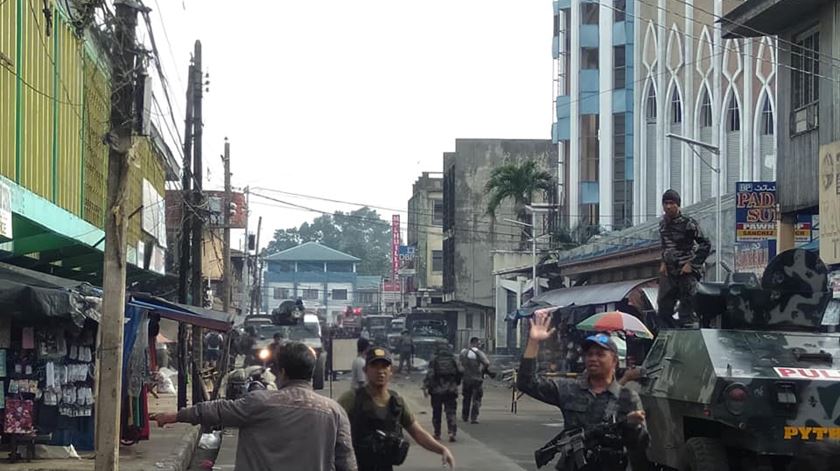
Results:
<point x="579" y="447"/>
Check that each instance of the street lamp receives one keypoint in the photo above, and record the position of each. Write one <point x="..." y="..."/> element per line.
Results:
<point x="533" y="253"/>
<point x="719" y="229"/>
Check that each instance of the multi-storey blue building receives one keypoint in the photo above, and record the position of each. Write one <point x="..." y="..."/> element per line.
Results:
<point x="320" y="275"/>
<point x="593" y="126"/>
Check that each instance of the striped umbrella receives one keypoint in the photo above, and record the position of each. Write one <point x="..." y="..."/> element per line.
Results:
<point x="613" y="321"/>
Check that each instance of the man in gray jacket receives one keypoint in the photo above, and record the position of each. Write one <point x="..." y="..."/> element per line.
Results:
<point x="291" y="428"/>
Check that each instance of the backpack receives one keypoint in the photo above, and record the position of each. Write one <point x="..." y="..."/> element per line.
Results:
<point x="447" y="367"/>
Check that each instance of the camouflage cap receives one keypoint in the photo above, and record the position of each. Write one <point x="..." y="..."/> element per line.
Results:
<point x="601" y="340"/>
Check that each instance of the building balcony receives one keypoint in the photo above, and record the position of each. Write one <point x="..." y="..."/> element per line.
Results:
<point x="589" y="80"/>
<point x="589" y="36"/>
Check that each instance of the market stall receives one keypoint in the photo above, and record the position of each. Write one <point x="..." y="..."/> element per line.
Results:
<point x="48" y="328"/>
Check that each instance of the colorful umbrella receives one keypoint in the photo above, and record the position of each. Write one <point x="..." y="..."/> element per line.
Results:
<point x="616" y="320"/>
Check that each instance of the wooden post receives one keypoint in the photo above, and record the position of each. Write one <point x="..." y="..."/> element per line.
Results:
<point x="186" y="231"/>
<point x="109" y="356"/>
<point x="198" y="224"/>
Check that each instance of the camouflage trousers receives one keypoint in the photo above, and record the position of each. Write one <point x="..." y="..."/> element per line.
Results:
<point x="673" y="288"/>
<point x="447" y="402"/>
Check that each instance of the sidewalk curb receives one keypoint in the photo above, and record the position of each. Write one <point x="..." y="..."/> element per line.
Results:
<point x="181" y="456"/>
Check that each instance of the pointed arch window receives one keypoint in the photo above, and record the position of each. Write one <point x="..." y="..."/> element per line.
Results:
<point x="767" y="123"/>
<point x="650" y="105"/>
<point x="733" y="115"/>
<point x="676" y="107"/>
<point x="706" y="110"/>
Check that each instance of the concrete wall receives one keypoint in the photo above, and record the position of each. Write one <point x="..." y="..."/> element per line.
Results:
<point x="422" y="230"/>
<point x="470" y="233"/>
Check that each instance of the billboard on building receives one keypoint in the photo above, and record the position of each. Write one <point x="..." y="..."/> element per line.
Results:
<point x="395" y="245"/>
<point x="755" y="211"/>
<point x="829" y="183"/>
<point x="407" y="260"/>
<point x="755" y="226"/>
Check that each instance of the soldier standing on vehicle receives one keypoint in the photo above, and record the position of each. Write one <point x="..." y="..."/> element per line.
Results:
<point x="441" y="382"/>
<point x="594" y="398"/>
<point x="475" y="365"/>
<point x="684" y="251"/>
<point x="406" y="351"/>
<point x="378" y="417"/>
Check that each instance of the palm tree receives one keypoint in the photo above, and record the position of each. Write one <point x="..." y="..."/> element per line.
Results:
<point x="517" y="181"/>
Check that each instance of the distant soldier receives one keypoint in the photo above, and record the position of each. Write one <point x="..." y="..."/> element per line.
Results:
<point x="475" y="365"/>
<point x="441" y="382"/>
<point x="684" y="251"/>
<point x="406" y="349"/>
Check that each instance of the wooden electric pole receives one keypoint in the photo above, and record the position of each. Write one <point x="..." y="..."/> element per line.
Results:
<point x="186" y="231"/>
<point x="198" y="224"/>
<point x="226" y="209"/>
<point x="256" y="291"/>
<point x="110" y="354"/>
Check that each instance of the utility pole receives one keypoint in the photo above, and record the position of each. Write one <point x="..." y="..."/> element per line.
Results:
<point x="243" y="301"/>
<point x="186" y="231"/>
<point x="256" y="291"/>
<point x="198" y="223"/>
<point x="109" y="359"/>
<point x="226" y="208"/>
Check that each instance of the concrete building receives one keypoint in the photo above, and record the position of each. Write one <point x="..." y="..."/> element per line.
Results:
<point x="315" y="273"/>
<point x="695" y="83"/>
<point x="425" y="233"/>
<point x="368" y="294"/>
<point x="470" y="234"/>
<point x="808" y="44"/>
<point x="593" y="50"/>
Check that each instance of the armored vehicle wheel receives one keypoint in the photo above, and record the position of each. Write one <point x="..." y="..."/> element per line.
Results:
<point x="704" y="454"/>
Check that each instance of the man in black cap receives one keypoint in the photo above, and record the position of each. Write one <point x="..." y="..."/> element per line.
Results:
<point x="595" y="397"/>
<point x="378" y="416"/>
<point x="684" y="251"/>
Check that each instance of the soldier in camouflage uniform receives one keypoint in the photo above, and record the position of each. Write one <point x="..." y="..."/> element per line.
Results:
<point x="594" y="397"/>
<point x="684" y="251"/>
<point x="441" y="382"/>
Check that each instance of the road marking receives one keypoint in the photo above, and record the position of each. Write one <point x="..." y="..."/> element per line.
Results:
<point x="555" y="424"/>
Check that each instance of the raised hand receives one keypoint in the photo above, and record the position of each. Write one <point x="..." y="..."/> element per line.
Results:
<point x="540" y="327"/>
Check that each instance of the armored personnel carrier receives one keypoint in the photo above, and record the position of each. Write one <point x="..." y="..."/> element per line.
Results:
<point x="757" y="387"/>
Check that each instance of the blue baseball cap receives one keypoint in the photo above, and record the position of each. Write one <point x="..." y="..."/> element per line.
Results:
<point x="601" y="340"/>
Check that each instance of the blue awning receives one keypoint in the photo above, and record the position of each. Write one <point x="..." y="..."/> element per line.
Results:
<point x="193" y="315"/>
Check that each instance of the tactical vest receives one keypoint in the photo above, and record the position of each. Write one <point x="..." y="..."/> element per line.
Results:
<point x="364" y="423"/>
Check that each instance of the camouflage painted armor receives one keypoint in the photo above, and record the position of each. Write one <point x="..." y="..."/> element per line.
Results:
<point x="683" y="242"/>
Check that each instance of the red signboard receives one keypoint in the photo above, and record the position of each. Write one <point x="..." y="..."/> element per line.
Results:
<point x="395" y="245"/>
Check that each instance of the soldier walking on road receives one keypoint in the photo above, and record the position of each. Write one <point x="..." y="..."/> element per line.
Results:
<point x="406" y="351"/>
<point x="475" y="364"/>
<point x="441" y="382"/>
<point x="378" y="417"/>
<point x="684" y="251"/>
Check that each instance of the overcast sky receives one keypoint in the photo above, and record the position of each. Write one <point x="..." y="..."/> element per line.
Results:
<point x="352" y="100"/>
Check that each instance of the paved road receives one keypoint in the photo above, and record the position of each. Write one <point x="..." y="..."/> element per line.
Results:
<point x="501" y="441"/>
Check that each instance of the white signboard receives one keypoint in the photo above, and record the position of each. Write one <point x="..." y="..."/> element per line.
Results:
<point x="813" y="374"/>
<point x="829" y="183"/>
<point x="154" y="213"/>
<point x="5" y="211"/>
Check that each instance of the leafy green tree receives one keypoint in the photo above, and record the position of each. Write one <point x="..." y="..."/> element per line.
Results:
<point x="517" y="181"/>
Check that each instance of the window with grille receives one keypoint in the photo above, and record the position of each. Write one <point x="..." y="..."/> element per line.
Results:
<point x="281" y="293"/>
<point x="339" y="294"/>
<point x="706" y="111"/>
<point x="437" y="261"/>
<point x="676" y="107"/>
<point x="437" y="214"/>
<point x="650" y="105"/>
<point x="589" y="148"/>
<point x="619" y="10"/>
<point x="589" y="13"/>
<point x="767" y="123"/>
<point x="805" y="65"/>
<point x="589" y="58"/>
<point x="310" y="294"/>
<point x="620" y="67"/>
<point x="733" y="115"/>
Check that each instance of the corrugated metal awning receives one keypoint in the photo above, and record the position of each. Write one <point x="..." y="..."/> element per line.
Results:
<point x="193" y="315"/>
